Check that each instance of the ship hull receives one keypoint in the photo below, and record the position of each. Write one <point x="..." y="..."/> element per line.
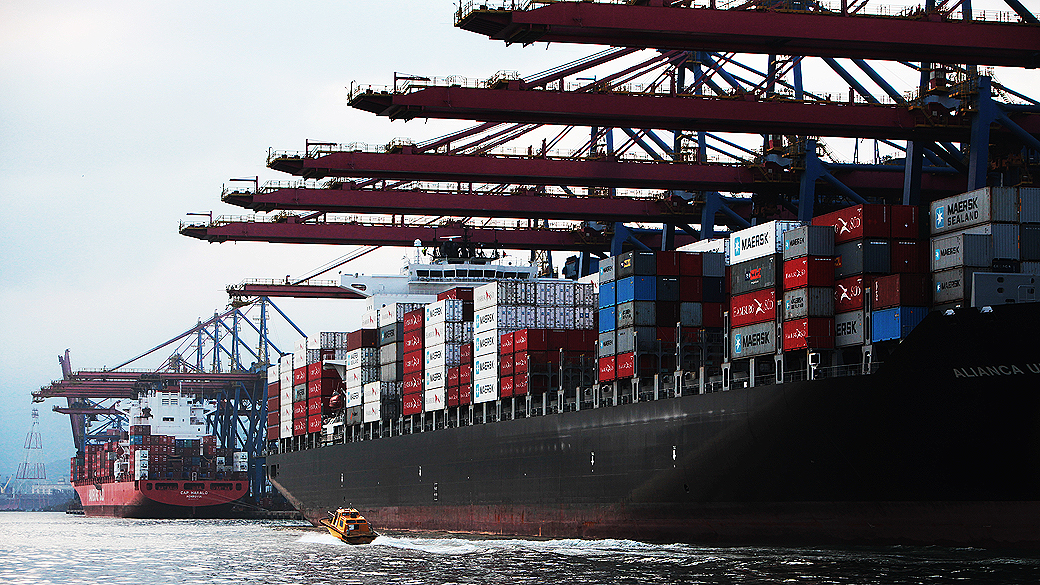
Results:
<point x="936" y="448"/>
<point x="160" y="499"/>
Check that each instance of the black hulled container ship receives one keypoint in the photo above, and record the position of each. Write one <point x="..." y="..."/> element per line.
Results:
<point x="804" y="385"/>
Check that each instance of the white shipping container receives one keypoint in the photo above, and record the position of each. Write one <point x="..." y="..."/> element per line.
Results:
<point x="485" y="390"/>
<point x="545" y="294"/>
<point x="485" y="366"/>
<point x="444" y="310"/>
<point x="434" y="400"/>
<point x="565" y="318"/>
<point x="444" y="332"/>
<point x="545" y="318"/>
<point x="989" y="204"/>
<point x="585" y="295"/>
<point x="394" y="312"/>
<point x="370" y="392"/>
<point x="584" y="318"/>
<point x="370" y="320"/>
<point x="760" y="240"/>
<point x="435" y="378"/>
<point x="285" y="428"/>
<point x="362" y="356"/>
<point x="371" y="412"/>
<point x="486" y="342"/>
<point x="357" y="377"/>
<point x="352" y="398"/>
<point x="490" y="294"/>
<point x="961" y="249"/>
<point x="952" y="285"/>
<point x="565" y="294"/>
<point x="494" y="317"/>
<point x="445" y="354"/>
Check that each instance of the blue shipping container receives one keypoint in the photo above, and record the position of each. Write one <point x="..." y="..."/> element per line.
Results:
<point x="607" y="294"/>
<point x="636" y="288"/>
<point x="895" y="323"/>
<point x="607" y="319"/>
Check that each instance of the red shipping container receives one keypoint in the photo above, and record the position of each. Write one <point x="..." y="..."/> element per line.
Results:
<point x="905" y="221"/>
<point x="413" y="404"/>
<point x="808" y="271"/>
<point x="505" y="386"/>
<point x="505" y="343"/>
<point x="453" y="377"/>
<point x="525" y="339"/>
<point x="314" y="388"/>
<point x="505" y="365"/>
<point x="580" y="340"/>
<point x="626" y="365"/>
<point x="668" y="262"/>
<point x="273" y="404"/>
<point x="521" y="385"/>
<point x="313" y="406"/>
<point x="554" y="338"/>
<point x="909" y="290"/>
<point x="299" y="409"/>
<point x="756" y="307"/>
<point x="299" y="426"/>
<point x="465" y="374"/>
<point x="273" y="433"/>
<point x="363" y="338"/>
<point x="465" y="394"/>
<point x="413" y="341"/>
<point x="690" y="264"/>
<point x="273" y="418"/>
<point x="666" y="335"/>
<point x="299" y="376"/>
<point x="314" y="424"/>
<point x="327" y="354"/>
<point x="691" y="289"/>
<point x="273" y="389"/>
<point x="414" y="321"/>
<point x="466" y="353"/>
<point x="606" y="369"/>
<point x="460" y="292"/>
<point x="712" y="314"/>
<point x="667" y="313"/>
<point x="810" y="333"/>
<point x="848" y="293"/>
<point x="314" y="371"/>
<point x="858" y="221"/>
<point x="413" y="383"/>
<point x="413" y="362"/>
<point x="521" y="365"/>
<point x="453" y="396"/>
<point x="910" y="256"/>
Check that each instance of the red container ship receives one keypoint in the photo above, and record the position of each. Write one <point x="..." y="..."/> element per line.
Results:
<point x="164" y="466"/>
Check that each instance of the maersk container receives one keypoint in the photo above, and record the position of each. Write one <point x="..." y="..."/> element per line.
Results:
<point x="1029" y="241"/>
<point x="607" y="343"/>
<point x="862" y="257"/>
<point x="901" y="289"/>
<point x="753" y="340"/>
<point x="607" y="269"/>
<point x="849" y="329"/>
<point x="485" y="390"/>
<point x="637" y="314"/>
<point x="813" y="301"/>
<point x="636" y="264"/>
<point x="755" y="307"/>
<point x="636" y="339"/>
<point x="750" y="276"/>
<point x="952" y="285"/>
<point x="758" y="241"/>
<point x="961" y="250"/>
<point x="981" y="206"/>
<point x="607" y="294"/>
<point x="691" y="314"/>
<point x="607" y="319"/>
<point x="809" y="240"/>
<point x="895" y="323"/>
<point x="858" y="222"/>
<point x="636" y="288"/>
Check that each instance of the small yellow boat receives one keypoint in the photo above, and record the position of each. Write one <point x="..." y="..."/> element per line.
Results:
<point x="348" y="525"/>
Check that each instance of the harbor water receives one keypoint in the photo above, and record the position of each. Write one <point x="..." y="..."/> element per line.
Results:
<point x="44" y="548"/>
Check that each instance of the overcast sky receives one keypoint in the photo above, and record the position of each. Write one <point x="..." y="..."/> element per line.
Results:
<point x="118" y="117"/>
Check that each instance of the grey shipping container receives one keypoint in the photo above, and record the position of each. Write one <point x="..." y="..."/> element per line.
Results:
<point x="1005" y="238"/>
<point x="608" y="269"/>
<point x="636" y="338"/>
<point x="862" y="257"/>
<point x="391" y="333"/>
<point x="960" y="250"/>
<point x="1031" y="267"/>
<point x="1000" y="289"/>
<point x="392" y="371"/>
<point x="391" y="352"/>
<point x="753" y="340"/>
<point x="637" y="314"/>
<point x="813" y="301"/>
<point x="849" y="329"/>
<point x="1029" y="242"/>
<point x="714" y="264"/>
<point x="1029" y="199"/>
<point x="636" y="264"/>
<point x="757" y="274"/>
<point x="989" y="204"/>
<point x="952" y="285"/>
<point x="691" y="314"/>
<point x="809" y="240"/>
<point x="607" y="343"/>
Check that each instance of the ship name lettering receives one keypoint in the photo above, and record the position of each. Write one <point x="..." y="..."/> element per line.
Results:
<point x="1001" y="370"/>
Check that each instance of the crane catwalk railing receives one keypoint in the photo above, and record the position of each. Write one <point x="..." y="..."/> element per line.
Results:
<point x="388" y="221"/>
<point x="846" y="8"/>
